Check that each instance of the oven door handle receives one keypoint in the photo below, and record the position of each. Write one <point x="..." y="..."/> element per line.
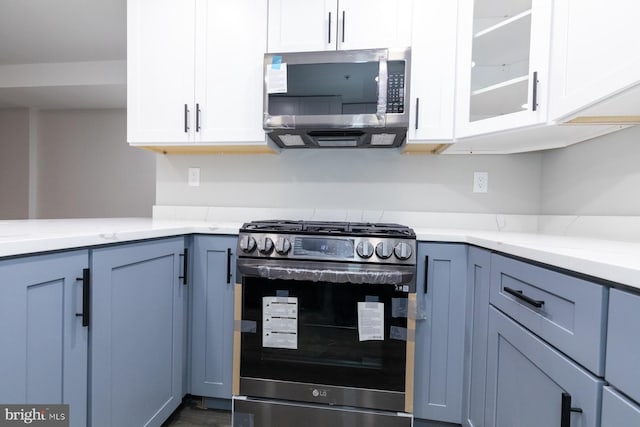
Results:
<point x="330" y="272"/>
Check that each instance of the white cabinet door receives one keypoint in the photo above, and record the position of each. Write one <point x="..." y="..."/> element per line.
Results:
<point x="595" y="52"/>
<point x="369" y="24"/>
<point x="503" y="61"/>
<point x="308" y="25"/>
<point x="160" y="71"/>
<point x="314" y="25"/>
<point x="230" y="46"/>
<point x="433" y="70"/>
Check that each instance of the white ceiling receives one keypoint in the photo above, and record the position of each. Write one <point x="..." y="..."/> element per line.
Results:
<point x="55" y="31"/>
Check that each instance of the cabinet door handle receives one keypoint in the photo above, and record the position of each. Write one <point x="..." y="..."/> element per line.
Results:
<point x="426" y="273"/>
<point x="185" y="266"/>
<point x="329" y="41"/>
<point x="417" y="112"/>
<point x="229" y="254"/>
<point x="186" y="118"/>
<point x="534" y="96"/>
<point x="197" y="117"/>
<point x="566" y="410"/>
<point x="520" y="295"/>
<point x="86" y="296"/>
<point x="343" y="18"/>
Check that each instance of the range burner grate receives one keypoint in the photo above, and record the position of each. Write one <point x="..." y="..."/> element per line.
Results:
<point x="330" y="227"/>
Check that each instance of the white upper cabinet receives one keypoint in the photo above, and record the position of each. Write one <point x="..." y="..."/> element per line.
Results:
<point x="433" y="59"/>
<point x="195" y="73"/>
<point x="296" y="25"/>
<point x="595" y="55"/>
<point x="369" y="24"/>
<point x="503" y="61"/>
<point x="229" y="58"/>
<point x="314" y="25"/>
<point x="160" y="70"/>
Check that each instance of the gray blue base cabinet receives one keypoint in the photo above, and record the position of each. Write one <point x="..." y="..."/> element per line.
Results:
<point x="136" y="336"/>
<point x="618" y="411"/>
<point x="475" y="362"/>
<point x="567" y="312"/>
<point x="43" y="356"/>
<point x="621" y="401"/>
<point x="212" y="316"/>
<point x="527" y="381"/>
<point x="623" y="345"/>
<point x="439" y="356"/>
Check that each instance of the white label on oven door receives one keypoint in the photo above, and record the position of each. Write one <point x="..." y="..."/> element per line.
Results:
<point x="371" y="321"/>
<point x="280" y="322"/>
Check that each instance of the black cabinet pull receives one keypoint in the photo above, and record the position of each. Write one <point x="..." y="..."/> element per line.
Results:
<point x="86" y="296"/>
<point x="417" y="112"/>
<point x="426" y="273"/>
<point x="520" y="295"/>
<point x="185" y="264"/>
<point x="229" y="254"/>
<point x="197" y="117"/>
<point x="534" y="97"/>
<point x="566" y="410"/>
<point x="329" y="41"/>
<point x="343" y="18"/>
<point x="186" y="118"/>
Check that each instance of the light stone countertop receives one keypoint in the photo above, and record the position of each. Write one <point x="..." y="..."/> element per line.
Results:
<point x="611" y="260"/>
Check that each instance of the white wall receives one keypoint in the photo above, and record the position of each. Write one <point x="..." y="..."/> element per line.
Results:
<point x="353" y="179"/>
<point x="597" y="177"/>
<point x="14" y="163"/>
<point x="86" y="168"/>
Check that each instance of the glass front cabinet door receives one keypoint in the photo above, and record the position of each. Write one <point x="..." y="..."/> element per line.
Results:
<point x="503" y="61"/>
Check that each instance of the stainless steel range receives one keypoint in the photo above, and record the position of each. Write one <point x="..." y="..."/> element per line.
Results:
<point x="324" y="332"/>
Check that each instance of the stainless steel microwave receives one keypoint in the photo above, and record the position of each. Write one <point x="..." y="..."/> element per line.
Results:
<point x="329" y="99"/>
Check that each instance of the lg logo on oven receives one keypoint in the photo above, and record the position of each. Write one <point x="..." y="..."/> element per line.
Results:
<point x="319" y="393"/>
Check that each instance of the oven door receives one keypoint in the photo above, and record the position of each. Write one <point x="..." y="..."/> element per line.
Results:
<point x="325" y="341"/>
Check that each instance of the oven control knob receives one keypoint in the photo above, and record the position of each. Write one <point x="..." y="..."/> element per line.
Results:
<point x="265" y="246"/>
<point x="283" y="246"/>
<point x="247" y="244"/>
<point x="364" y="249"/>
<point x="402" y="251"/>
<point x="384" y="249"/>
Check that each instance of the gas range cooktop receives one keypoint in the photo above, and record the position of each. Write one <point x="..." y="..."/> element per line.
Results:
<point x="362" y="242"/>
<point x="329" y="228"/>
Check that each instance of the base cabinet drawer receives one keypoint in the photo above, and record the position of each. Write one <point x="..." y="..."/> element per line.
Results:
<point x="618" y="411"/>
<point x="567" y="312"/>
<point x="528" y="380"/>
<point x="623" y="346"/>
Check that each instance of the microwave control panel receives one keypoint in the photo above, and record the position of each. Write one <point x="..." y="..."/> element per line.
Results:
<point x="395" y="87"/>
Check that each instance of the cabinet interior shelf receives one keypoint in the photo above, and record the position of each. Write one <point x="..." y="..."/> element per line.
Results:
<point x="504" y="43"/>
<point x="501" y="98"/>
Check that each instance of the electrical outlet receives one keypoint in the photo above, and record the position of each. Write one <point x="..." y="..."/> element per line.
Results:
<point x="480" y="182"/>
<point x="194" y="177"/>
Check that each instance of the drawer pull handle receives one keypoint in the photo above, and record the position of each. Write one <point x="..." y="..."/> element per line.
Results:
<point x="520" y="295"/>
<point x="566" y="410"/>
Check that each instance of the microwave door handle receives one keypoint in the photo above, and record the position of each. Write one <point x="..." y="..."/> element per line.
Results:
<point x="382" y="88"/>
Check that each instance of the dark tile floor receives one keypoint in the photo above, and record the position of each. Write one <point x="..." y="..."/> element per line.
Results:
<point x="190" y="415"/>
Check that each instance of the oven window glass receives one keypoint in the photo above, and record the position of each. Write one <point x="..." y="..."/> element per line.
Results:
<point x="325" y="345"/>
